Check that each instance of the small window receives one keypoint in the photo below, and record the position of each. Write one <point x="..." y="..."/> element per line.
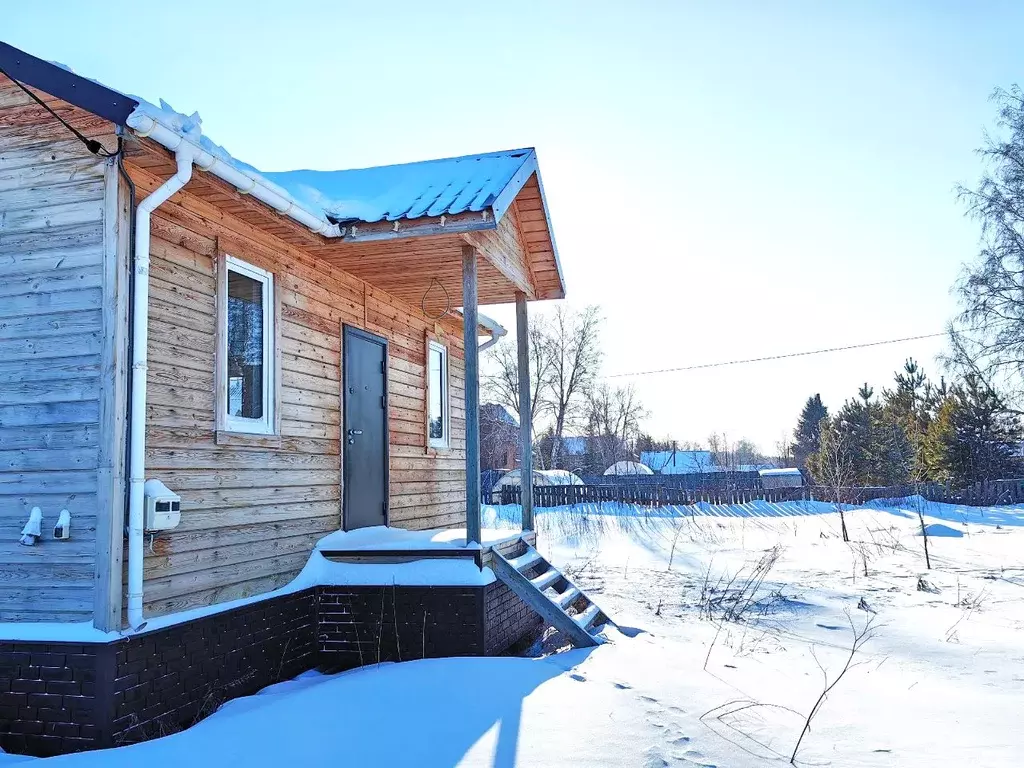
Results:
<point x="248" y="349"/>
<point x="437" y="395"/>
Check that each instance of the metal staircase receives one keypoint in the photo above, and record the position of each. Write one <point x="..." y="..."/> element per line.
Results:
<point x="546" y="589"/>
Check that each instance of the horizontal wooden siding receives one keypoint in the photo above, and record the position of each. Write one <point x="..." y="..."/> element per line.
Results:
<point x="251" y="514"/>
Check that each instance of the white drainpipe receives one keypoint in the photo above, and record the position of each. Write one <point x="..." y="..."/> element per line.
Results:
<point x="184" y="155"/>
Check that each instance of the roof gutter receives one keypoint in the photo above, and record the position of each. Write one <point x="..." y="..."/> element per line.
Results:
<point x="246" y="182"/>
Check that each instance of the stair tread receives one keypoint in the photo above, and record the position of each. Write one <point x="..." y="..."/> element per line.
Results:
<point x="567" y="597"/>
<point x="588" y="617"/>
<point x="540" y="594"/>
<point x="526" y="560"/>
<point x="546" y="579"/>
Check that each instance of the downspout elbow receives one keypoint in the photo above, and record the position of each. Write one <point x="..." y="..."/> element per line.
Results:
<point x="496" y="335"/>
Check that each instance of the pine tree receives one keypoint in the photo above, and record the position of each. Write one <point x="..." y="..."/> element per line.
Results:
<point x="910" y="407"/>
<point x="973" y="437"/>
<point x="880" y="451"/>
<point x="808" y="430"/>
<point x="940" y="452"/>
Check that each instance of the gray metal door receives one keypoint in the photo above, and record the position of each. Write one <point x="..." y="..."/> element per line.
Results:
<point x="365" y="429"/>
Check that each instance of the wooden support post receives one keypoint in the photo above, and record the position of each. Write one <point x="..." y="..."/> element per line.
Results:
<point x="471" y="324"/>
<point x="525" y="409"/>
<point x="110" y="494"/>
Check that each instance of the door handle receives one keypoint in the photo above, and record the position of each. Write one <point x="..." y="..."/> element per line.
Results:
<point x="355" y="431"/>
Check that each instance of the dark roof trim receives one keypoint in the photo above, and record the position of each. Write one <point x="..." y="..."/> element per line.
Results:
<point x="72" y="88"/>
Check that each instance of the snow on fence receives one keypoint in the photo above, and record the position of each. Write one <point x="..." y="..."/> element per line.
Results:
<point x="653" y="495"/>
<point x="986" y="493"/>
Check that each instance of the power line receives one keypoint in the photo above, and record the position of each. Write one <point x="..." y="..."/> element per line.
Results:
<point x="780" y="357"/>
<point x="91" y="144"/>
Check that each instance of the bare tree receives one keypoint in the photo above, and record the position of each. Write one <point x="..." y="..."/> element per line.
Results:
<point x="832" y="465"/>
<point x="573" y="350"/>
<point x="987" y="338"/>
<point x="860" y="637"/>
<point x="784" y="451"/>
<point x="613" y="421"/>
<point x="501" y="380"/>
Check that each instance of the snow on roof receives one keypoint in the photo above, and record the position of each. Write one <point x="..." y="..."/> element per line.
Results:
<point x="784" y="472"/>
<point x="680" y="462"/>
<point x="540" y="477"/>
<point x="407" y="191"/>
<point x="447" y="186"/>
<point x="628" y="468"/>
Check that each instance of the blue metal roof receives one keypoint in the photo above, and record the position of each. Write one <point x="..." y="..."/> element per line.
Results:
<point x="413" y="190"/>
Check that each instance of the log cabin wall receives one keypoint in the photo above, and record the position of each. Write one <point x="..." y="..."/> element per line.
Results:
<point x="59" y="366"/>
<point x="251" y="512"/>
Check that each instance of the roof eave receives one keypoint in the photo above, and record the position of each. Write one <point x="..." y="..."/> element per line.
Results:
<point x="551" y="236"/>
<point x="504" y="201"/>
<point x="66" y="85"/>
<point x="363" y="232"/>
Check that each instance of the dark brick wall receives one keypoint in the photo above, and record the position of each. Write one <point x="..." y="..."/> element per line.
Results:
<point x="507" y="619"/>
<point x="364" y="625"/>
<point x="61" y="697"/>
<point x="48" y="698"/>
<point x="169" y="679"/>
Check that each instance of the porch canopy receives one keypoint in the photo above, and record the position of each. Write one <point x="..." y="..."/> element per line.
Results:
<point x="403" y="227"/>
<point x="438" y="234"/>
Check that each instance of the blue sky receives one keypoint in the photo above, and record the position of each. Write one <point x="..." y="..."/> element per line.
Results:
<point x="727" y="180"/>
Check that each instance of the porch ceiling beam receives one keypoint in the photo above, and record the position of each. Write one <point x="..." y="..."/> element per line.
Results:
<point x="501" y="261"/>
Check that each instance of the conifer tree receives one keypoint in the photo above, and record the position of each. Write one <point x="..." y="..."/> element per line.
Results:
<point x="807" y="434"/>
<point x="973" y="436"/>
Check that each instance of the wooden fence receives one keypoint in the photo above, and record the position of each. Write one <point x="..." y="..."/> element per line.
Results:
<point x="986" y="493"/>
<point x="647" y="495"/>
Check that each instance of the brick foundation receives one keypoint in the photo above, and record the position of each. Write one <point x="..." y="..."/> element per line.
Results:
<point x="48" y="697"/>
<point x="167" y="680"/>
<point x="67" y="697"/>
<point x="364" y="625"/>
<point x="507" y="619"/>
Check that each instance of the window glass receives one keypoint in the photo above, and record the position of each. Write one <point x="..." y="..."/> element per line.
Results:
<point x="438" y="395"/>
<point x="246" y="341"/>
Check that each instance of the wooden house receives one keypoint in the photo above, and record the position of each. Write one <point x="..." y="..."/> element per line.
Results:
<point x="209" y="369"/>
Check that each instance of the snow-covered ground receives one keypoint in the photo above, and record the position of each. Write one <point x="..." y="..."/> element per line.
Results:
<point x="939" y="682"/>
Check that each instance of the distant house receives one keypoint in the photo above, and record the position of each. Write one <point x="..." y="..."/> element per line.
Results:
<point x="789" y="477"/>
<point x="499" y="438"/>
<point x="754" y="467"/>
<point x="680" y="462"/>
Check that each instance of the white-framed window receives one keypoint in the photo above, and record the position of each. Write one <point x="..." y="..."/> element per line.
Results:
<point x="438" y="417"/>
<point x="247" y="348"/>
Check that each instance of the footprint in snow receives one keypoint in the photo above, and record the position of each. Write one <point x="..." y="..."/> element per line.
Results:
<point x="655" y="760"/>
<point x="833" y="627"/>
<point x="622" y="686"/>
<point x="693" y="757"/>
<point x="578" y="678"/>
<point x="650" y="699"/>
